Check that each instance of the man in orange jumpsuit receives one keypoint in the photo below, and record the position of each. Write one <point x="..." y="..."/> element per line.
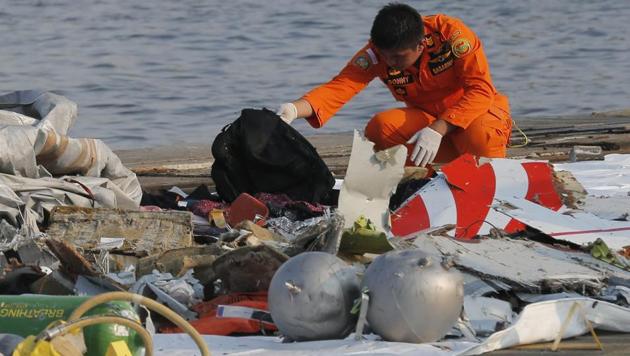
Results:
<point x="435" y="65"/>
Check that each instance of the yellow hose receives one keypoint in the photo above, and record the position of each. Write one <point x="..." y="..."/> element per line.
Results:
<point x="525" y="138"/>
<point x="149" y="303"/>
<point x="103" y="319"/>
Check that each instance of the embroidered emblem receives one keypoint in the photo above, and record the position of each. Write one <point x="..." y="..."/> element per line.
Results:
<point x="397" y="78"/>
<point x="401" y="80"/>
<point x="391" y="72"/>
<point x="461" y="47"/>
<point x="441" y="59"/>
<point x="439" y="68"/>
<point x="362" y="62"/>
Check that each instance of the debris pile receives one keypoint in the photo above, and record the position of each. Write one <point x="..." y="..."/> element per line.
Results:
<point x="484" y="249"/>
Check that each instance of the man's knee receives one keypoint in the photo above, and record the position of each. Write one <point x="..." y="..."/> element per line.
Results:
<point x="483" y="140"/>
<point x="377" y="128"/>
<point x="395" y="126"/>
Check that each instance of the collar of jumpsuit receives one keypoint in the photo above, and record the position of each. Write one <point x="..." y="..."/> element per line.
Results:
<point x="402" y="59"/>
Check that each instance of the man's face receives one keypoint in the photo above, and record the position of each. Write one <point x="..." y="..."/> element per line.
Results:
<point x="402" y="58"/>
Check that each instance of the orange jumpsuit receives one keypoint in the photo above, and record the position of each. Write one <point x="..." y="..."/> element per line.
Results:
<point x="451" y="80"/>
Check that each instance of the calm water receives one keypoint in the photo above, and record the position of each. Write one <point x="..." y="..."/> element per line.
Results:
<point x="148" y="73"/>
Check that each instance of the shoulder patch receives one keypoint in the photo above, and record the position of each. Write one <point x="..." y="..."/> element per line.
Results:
<point x="461" y="47"/>
<point x="362" y="62"/>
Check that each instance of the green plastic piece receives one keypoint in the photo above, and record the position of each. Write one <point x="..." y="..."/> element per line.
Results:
<point x="364" y="238"/>
<point x="602" y="252"/>
<point x="26" y="315"/>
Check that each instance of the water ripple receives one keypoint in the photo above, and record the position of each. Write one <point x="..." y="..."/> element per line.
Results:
<point x="160" y="72"/>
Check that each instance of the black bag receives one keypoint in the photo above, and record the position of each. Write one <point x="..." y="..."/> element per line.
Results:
<point x="259" y="152"/>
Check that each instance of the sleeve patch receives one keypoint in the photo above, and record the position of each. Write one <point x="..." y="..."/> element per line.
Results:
<point x="362" y="62"/>
<point x="461" y="47"/>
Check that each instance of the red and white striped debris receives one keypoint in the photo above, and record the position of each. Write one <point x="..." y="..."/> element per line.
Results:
<point x="464" y="196"/>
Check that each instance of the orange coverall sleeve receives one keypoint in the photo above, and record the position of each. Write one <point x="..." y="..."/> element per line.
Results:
<point x="328" y="98"/>
<point x="472" y="69"/>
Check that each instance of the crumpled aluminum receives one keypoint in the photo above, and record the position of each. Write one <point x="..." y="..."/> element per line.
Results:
<point x="321" y="233"/>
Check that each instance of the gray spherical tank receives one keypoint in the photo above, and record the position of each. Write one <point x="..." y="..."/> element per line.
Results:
<point x="413" y="297"/>
<point x="311" y="295"/>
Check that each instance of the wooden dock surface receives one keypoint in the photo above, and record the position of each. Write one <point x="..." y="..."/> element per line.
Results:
<point x="550" y="138"/>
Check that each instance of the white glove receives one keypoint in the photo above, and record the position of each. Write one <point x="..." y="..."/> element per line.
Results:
<point x="287" y="112"/>
<point x="427" y="144"/>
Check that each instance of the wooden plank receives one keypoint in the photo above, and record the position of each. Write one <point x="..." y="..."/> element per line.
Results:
<point x="144" y="233"/>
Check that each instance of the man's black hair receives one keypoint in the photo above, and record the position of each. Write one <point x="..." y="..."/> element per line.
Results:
<point x="397" y="26"/>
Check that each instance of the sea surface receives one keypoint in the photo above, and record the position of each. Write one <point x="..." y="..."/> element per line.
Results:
<point x="164" y="72"/>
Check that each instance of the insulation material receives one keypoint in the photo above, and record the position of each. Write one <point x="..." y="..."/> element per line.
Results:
<point x="370" y="181"/>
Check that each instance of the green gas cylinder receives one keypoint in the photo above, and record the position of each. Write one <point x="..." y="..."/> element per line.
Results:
<point x="30" y="314"/>
<point x="98" y="337"/>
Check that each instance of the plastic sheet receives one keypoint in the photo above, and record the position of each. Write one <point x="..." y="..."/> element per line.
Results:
<point x="526" y="329"/>
<point x="33" y="150"/>
<point x="181" y="345"/>
<point x="529" y="329"/>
